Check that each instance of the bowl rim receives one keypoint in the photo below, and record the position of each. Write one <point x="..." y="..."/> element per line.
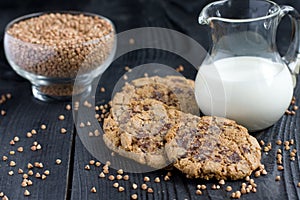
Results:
<point x="74" y="12"/>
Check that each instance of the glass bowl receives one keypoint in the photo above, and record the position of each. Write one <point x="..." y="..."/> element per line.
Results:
<point x="50" y="49"/>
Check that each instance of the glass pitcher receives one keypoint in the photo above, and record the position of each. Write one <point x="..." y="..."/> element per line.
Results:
<point x="244" y="78"/>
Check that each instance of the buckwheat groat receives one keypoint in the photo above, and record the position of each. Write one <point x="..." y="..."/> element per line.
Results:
<point x="174" y="91"/>
<point x="139" y="132"/>
<point x="212" y="147"/>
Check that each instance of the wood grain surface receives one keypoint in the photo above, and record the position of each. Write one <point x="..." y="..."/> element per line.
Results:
<point x="70" y="179"/>
<point x="24" y="113"/>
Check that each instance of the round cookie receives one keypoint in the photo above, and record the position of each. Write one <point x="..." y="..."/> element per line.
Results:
<point x="138" y="131"/>
<point x="174" y="91"/>
<point x="212" y="147"/>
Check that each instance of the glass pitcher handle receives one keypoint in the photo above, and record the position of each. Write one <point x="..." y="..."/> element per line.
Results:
<point x="292" y="56"/>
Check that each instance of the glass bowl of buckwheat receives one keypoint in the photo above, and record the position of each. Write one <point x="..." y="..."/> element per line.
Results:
<point x="51" y="48"/>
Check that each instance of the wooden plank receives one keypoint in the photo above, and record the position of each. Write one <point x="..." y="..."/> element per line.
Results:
<point x="179" y="187"/>
<point x="24" y="113"/>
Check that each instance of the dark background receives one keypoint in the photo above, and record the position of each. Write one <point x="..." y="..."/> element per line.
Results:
<point x="175" y="14"/>
<point x="126" y="14"/>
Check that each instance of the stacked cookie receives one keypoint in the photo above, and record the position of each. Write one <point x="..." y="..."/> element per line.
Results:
<point x="155" y="121"/>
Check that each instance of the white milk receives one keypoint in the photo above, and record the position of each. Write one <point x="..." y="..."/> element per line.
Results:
<point x="253" y="91"/>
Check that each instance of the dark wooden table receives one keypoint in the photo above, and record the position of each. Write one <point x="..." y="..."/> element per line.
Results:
<point x="70" y="179"/>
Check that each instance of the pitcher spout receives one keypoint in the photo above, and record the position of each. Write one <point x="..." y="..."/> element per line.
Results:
<point x="209" y="12"/>
<point x="203" y="19"/>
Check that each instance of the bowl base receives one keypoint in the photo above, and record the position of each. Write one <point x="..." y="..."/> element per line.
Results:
<point x="41" y="93"/>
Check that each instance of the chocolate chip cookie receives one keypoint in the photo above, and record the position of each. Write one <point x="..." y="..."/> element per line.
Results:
<point x="174" y="91"/>
<point x="212" y="147"/>
<point x="137" y="131"/>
